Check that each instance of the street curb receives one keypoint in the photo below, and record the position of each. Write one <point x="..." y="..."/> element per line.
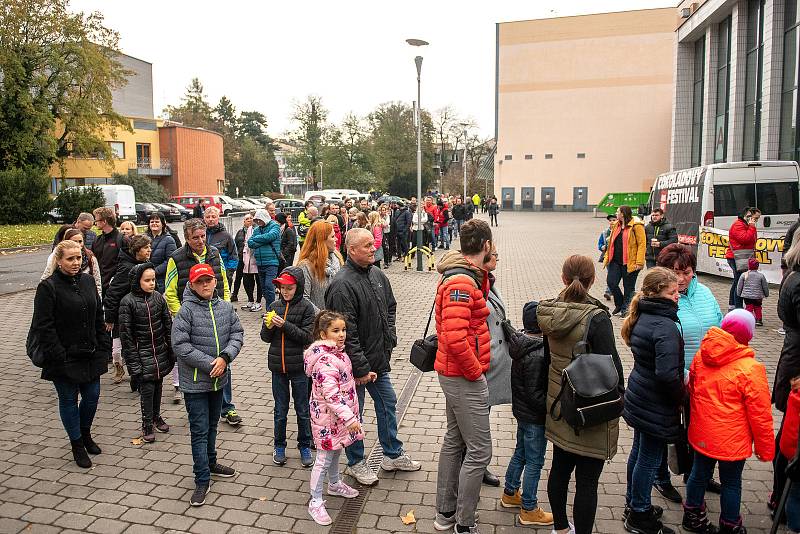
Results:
<point x="23" y="248"/>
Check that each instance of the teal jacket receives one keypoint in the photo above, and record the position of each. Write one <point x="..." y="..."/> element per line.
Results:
<point x="698" y="311"/>
<point x="266" y="244"/>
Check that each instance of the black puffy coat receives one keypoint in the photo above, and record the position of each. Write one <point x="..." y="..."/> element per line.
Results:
<point x="655" y="391"/>
<point x="120" y="285"/>
<point x="288" y="343"/>
<point x="364" y="296"/>
<point x="459" y="212"/>
<point x="288" y="244"/>
<point x="789" y="361"/>
<point x="666" y="234"/>
<point x="163" y="245"/>
<point x="68" y="327"/>
<point x="529" y="368"/>
<point x="145" y="325"/>
<point x="403" y="220"/>
<point x="239" y="241"/>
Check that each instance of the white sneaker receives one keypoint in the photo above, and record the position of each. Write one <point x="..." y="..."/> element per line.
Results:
<point x="247" y="306"/>
<point x="401" y="463"/>
<point x="256" y="307"/>
<point x="571" y="529"/>
<point x="317" y="511"/>
<point x="343" y="490"/>
<point x="362" y="473"/>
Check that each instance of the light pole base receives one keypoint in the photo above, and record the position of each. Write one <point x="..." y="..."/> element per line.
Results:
<point x="426" y="255"/>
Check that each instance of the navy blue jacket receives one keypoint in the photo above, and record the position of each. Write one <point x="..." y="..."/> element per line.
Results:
<point x="655" y="391"/>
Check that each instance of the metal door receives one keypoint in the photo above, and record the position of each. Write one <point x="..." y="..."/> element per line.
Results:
<point x="548" y="198"/>
<point x="508" y="198"/>
<point x="528" y="197"/>
<point x="579" y="202"/>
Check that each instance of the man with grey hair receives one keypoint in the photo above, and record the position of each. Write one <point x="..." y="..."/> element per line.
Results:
<point x="218" y="237"/>
<point x="84" y="223"/>
<point x="362" y="293"/>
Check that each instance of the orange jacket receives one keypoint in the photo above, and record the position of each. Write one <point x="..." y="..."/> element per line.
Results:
<point x="634" y="243"/>
<point x="461" y="312"/>
<point x="730" y="400"/>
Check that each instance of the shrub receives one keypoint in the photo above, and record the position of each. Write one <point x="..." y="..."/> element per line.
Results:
<point x="25" y="194"/>
<point x="145" y="189"/>
<point x="72" y="201"/>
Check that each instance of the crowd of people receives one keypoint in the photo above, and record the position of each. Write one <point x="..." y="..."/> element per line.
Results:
<point x="696" y="396"/>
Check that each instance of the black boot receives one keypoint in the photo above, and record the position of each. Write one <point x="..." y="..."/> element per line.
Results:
<point x="79" y="453"/>
<point x="646" y="523"/>
<point x="731" y="528"/>
<point x="696" y="520"/>
<point x="490" y="479"/>
<point x="88" y="442"/>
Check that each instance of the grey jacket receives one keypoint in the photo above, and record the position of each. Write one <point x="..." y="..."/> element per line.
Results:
<point x="202" y="331"/>
<point x="314" y="290"/>
<point x="499" y="374"/>
<point x="752" y="285"/>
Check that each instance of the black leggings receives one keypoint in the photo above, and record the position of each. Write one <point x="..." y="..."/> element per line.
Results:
<point x="150" y="399"/>
<point x="587" y="475"/>
<point x="249" y="280"/>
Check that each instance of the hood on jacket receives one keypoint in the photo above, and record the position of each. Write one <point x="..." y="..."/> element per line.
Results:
<point x="659" y="306"/>
<point x="191" y="296"/>
<point x="524" y="344"/>
<point x="297" y="274"/>
<point x="135" y="275"/>
<point x="454" y="259"/>
<point x="557" y="318"/>
<point x="262" y="215"/>
<point x="720" y="348"/>
<point x="318" y="349"/>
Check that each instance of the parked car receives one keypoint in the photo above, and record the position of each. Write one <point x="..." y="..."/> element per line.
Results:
<point x="185" y="212"/>
<point x="389" y="199"/>
<point x="248" y="205"/>
<point x="221" y="202"/>
<point x="143" y="211"/>
<point x="258" y="201"/>
<point x="170" y="213"/>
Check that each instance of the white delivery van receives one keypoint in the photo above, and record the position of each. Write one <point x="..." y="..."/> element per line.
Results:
<point x="703" y="202"/>
<point x="119" y="198"/>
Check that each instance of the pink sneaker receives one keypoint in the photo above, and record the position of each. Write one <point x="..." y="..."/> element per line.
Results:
<point x="343" y="490"/>
<point x="317" y="511"/>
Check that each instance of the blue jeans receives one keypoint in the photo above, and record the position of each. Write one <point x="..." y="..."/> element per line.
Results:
<point x="74" y="415"/>
<point x="644" y="460"/>
<point x="203" y="411"/>
<point x="280" y="392"/>
<point x="268" y="273"/>
<point x="527" y="462"/>
<point x="793" y="508"/>
<point x="733" y="298"/>
<point x="444" y="237"/>
<point x="616" y="273"/>
<point x="662" y="474"/>
<point x="456" y="225"/>
<point x="730" y="477"/>
<point x="385" y="400"/>
<point x="227" y="394"/>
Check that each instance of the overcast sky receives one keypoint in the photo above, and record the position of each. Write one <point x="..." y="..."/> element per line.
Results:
<point x="265" y="55"/>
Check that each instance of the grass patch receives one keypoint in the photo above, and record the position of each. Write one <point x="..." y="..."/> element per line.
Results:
<point x="21" y="235"/>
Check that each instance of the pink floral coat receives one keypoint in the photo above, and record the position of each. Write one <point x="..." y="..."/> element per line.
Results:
<point x="334" y="403"/>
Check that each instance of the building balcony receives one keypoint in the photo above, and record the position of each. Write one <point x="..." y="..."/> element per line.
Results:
<point x="145" y="167"/>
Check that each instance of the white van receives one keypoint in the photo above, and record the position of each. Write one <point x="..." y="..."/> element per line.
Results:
<point x="120" y="198"/>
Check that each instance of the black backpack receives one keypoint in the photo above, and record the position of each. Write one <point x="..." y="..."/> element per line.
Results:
<point x="590" y="393"/>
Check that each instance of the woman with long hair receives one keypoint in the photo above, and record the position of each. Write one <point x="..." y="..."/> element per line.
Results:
<point x="376" y="227"/>
<point x="89" y="263"/>
<point x="624" y="257"/>
<point x="163" y="244"/>
<point x="565" y="320"/>
<point x="247" y="271"/>
<point x="320" y="260"/>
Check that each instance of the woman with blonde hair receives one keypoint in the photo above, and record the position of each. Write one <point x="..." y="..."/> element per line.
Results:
<point x="319" y="260"/>
<point x="128" y="229"/>
<point x="361" y="221"/>
<point x="89" y="263"/>
<point x="376" y="227"/>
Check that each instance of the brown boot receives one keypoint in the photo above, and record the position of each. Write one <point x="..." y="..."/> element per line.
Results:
<point x="119" y="372"/>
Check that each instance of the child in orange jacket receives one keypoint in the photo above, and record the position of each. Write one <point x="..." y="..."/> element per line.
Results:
<point x="730" y="412"/>
<point x="788" y="444"/>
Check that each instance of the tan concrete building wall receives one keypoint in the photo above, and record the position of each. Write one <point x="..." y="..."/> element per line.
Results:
<point x="598" y="85"/>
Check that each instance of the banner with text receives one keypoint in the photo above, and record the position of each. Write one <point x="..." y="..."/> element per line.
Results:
<point x="713" y="243"/>
<point x="679" y="194"/>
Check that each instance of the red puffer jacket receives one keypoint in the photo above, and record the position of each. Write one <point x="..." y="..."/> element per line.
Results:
<point x="741" y="236"/>
<point x="791" y="426"/>
<point x="461" y="312"/>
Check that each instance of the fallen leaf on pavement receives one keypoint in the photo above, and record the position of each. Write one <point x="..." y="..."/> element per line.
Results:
<point x="262" y="498"/>
<point x="408" y="518"/>
<point x="137" y="441"/>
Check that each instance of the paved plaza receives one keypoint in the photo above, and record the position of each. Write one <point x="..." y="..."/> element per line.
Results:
<point x="145" y="488"/>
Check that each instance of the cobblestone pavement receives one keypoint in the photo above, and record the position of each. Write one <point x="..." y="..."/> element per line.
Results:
<point x="146" y="488"/>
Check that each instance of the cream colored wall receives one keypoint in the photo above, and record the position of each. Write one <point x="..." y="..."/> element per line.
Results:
<point x="600" y="85"/>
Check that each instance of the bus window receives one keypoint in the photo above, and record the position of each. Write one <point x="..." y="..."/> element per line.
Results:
<point x="731" y="199"/>
<point x="774" y="198"/>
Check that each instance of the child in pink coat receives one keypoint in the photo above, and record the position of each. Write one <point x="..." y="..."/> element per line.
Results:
<point x="335" y="422"/>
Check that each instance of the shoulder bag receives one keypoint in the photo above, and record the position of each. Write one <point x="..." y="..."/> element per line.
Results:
<point x="589" y="392"/>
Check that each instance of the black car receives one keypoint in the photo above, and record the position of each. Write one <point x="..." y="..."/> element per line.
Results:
<point x="185" y="213"/>
<point x="143" y="211"/>
<point x="170" y="213"/>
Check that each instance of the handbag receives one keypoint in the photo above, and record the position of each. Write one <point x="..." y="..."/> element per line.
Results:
<point x="423" y="350"/>
<point x="742" y="257"/>
<point x="679" y="454"/>
<point x="281" y="259"/>
<point x="589" y="393"/>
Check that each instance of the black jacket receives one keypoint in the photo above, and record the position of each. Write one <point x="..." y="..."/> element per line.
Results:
<point x="403" y="220"/>
<point x="529" y="368"/>
<point x="120" y="285"/>
<point x="239" y="241"/>
<point x="145" y="325"/>
<point x="106" y="249"/>
<point x="364" y="296"/>
<point x="288" y="343"/>
<point x="68" y="326"/>
<point x="655" y="391"/>
<point x="163" y="245"/>
<point x="789" y="361"/>
<point x="459" y="212"/>
<point x="288" y="244"/>
<point x="664" y="232"/>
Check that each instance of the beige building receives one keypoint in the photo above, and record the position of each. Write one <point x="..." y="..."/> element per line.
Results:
<point x="583" y="107"/>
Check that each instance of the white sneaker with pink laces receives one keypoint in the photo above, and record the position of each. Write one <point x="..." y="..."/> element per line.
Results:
<point x="343" y="490"/>
<point x="317" y="511"/>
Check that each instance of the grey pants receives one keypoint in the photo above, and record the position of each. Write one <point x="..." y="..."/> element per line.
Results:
<point x="459" y="484"/>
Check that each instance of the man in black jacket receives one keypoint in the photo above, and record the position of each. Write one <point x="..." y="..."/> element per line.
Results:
<point x="362" y="293"/>
<point x="659" y="234"/>
<point x="402" y="221"/>
<point x="107" y="246"/>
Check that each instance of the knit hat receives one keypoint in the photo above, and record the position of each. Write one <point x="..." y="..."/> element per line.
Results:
<point x="740" y="324"/>
<point x="752" y="264"/>
<point x="529" y="321"/>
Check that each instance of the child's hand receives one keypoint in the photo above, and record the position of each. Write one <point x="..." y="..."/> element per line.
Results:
<point x="278" y="321"/>
<point x="355" y="428"/>
<point x="219" y="367"/>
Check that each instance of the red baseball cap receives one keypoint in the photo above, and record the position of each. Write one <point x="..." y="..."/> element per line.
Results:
<point x="200" y="270"/>
<point x="285" y="279"/>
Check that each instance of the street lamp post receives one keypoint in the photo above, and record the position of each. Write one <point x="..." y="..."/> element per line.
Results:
<point x="320" y="174"/>
<point x="418" y="63"/>
<point x="464" y="160"/>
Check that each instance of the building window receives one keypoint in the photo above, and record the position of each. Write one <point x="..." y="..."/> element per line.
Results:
<point x="753" y="80"/>
<point x="528" y="156"/>
<point x="789" y="145"/>
<point x="581" y="155"/>
<point x="548" y="156"/>
<point x="117" y="149"/>
<point x="454" y="157"/>
<point x="697" y="100"/>
<point x="143" y="155"/>
<point x="723" y="91"/>
<point x="507" y="157"/>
